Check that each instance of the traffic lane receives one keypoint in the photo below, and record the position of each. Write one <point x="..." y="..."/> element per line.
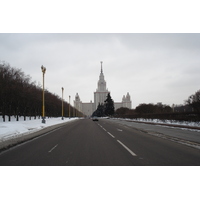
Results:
<point x="78" y="144"/>
<point x="36" y="151"/>
<point x="88" y="145"/>
<point x="152" y="150"/>
<point x="182" y="133"/>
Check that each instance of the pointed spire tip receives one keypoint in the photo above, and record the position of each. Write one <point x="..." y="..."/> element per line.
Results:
<point x="101" y="67"/>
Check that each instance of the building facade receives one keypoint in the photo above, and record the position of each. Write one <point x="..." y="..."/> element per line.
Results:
<point x="100" y="96"/>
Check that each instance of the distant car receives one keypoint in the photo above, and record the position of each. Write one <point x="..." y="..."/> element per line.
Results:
<point x="95" y="119"/>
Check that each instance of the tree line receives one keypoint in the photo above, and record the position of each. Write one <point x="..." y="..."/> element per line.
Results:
<point x="20" y="96"/>
<point x="189" y="111"/>
<point x="194" y="101"/>
<point x="145" y="109"/>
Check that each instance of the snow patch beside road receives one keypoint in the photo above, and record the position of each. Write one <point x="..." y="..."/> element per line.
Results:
<point x="16" y="129"/>
<point x="185" y="124"/>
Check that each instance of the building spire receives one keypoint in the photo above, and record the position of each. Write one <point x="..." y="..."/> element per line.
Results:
<point x="101" y="67"/>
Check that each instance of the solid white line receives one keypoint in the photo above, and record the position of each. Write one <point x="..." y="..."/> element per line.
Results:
<point x="53" y="148"/>
<point x="111" y="134"/>
<point x="132" y="153"/>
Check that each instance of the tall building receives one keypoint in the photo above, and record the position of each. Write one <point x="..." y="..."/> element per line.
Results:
<point x="101" y="91"/>
<point x="99" y="98"/>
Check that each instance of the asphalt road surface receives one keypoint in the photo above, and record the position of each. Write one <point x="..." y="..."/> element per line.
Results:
<point x="102" y="143"/>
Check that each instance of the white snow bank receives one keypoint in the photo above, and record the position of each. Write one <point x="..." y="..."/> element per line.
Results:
<point x="174" y="122"/>
<point x="14" y="128"/>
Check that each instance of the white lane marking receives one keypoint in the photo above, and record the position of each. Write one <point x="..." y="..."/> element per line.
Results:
<point x="111" y="134"/>
<point x="106" y="131"/>
<point x="53" y="148"/>
<point x="100" y="125"/>
<point x="132" y="153"/>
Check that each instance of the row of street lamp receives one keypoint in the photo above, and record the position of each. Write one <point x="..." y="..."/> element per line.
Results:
<point x="43" y="100"/>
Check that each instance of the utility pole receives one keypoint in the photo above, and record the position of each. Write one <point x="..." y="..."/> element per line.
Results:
<point x="43" y="105"/>
<point x="62" y="104"/>
<point x="69" y="107"/>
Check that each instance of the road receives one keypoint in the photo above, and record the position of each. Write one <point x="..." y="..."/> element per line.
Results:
<point x="102" y="143"/>
<point x="170" y="131"/>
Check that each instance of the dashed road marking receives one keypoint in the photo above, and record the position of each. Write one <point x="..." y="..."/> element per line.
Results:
<point x="111" y="134"/>
<point x="53" y="148"/>
<point x="132" y="153"/>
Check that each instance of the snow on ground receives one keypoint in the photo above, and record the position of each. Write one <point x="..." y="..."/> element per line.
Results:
<point x="174" y="122"/>
<point x="13" y="128"/>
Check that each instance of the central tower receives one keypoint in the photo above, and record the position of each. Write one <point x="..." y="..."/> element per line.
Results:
<point x="101" y="91"/>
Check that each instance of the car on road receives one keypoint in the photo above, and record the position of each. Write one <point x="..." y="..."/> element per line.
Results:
<point x="95" y="118"/>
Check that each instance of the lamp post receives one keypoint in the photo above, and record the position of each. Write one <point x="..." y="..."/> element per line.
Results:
<point x="69" y="107"/>
<point x="43" y="106"/>
<point x="62" y="104"/>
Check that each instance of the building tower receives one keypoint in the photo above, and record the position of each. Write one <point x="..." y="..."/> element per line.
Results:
<point x="101" y="91"/>
<point x="126" y="101"/>
<point x="99" y="97"/>
<point x="78" y="103"/>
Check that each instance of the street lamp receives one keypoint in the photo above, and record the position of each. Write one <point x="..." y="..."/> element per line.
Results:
<point x="62" y="104"/>
<point x="43" y="107"/>
<point x="69" y="107"/>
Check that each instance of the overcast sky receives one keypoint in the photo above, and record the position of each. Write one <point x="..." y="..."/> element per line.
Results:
<point x="151" y="67"/>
